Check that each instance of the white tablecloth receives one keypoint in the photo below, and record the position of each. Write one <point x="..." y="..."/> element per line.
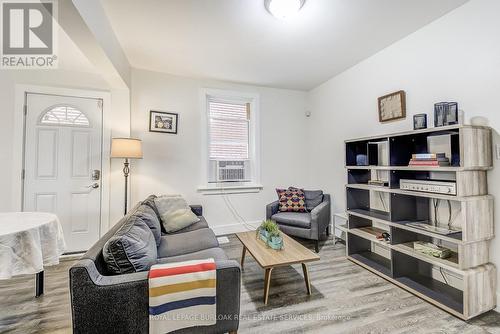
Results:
<point x="28" y="242"/>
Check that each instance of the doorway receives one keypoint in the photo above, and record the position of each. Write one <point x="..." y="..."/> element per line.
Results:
<point x="63" y="163"/>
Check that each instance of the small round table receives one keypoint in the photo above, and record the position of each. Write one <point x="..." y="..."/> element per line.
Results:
<point x="28" y="242"/>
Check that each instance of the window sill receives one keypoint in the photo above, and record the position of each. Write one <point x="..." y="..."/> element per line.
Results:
<point x="223" y="189"/>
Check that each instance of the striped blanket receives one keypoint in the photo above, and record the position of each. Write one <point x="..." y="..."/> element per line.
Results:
<point x="182" y="295"/>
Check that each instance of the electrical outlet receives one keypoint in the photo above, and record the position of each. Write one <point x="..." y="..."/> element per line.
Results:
<point x="497" y="151"/>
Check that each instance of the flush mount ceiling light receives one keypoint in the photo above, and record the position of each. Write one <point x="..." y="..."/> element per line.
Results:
<point x="283" y="9"/>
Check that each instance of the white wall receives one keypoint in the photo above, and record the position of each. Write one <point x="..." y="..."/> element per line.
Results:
<point x="456" y="58"/>
<point x="173" y="164"/>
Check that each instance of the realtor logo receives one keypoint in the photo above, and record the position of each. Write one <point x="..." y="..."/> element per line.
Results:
<point x="28" y="34"/>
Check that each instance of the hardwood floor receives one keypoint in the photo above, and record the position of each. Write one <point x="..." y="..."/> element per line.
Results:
<point x="345" y="299"/>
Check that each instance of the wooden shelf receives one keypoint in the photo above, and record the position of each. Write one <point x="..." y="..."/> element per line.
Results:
<point x="402" y="283"/>
<point x="450" y="263"/>
<point x="373" y="260"/>
<point x="472" y="290"/>
<point x="417" y="193"/>
<point x="442" y="129"/>
<point x="442" y="293"/>
<point x="420" y="168"/>
<point x="376" y="217"/>
<point x="370" y="233"/>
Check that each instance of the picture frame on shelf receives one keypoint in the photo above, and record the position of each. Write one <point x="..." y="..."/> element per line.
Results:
<point x="392" y="106"/>
<point x="419" y="121"/>
<point x="446" y="113"/>
<point x="164" y="122"/>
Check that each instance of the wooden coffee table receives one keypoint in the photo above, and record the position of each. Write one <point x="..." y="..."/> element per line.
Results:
<point x="268" y="258"/>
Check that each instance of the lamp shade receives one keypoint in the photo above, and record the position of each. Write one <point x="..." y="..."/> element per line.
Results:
<point x="130" y="148"/>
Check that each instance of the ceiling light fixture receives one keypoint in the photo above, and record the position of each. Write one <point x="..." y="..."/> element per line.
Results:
<point x="283" y="9"/>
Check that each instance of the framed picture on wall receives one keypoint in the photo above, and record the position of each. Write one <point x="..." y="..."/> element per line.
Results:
<point x="165" y="122"/>
<point x="392" y="106"/>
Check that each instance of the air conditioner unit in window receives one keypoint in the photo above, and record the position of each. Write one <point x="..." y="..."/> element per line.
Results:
<point x="229" y="171"/>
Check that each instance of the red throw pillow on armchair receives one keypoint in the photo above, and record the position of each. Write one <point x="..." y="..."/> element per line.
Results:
<point x="291" y="200"/>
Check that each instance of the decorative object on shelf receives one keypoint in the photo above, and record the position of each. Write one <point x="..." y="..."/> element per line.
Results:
<point x="479" y="121"/>
<point x="384" y="236"/>
<point x="392" y="106"/>
<point x="378" y="183"/>
<point x="165" y="122"/>
<point x="445" y="113"/>
<point x="419" y="121"/>
<point x="269" y="232"/>
<point x="361" y="160"/>
<point x="126" y="148"/>
<point x="429" y="160"/>
<point x="430" y="186"/>
<point x="431" y="249"/>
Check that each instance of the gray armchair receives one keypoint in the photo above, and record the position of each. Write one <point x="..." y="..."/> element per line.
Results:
<point x="308" y="225"/>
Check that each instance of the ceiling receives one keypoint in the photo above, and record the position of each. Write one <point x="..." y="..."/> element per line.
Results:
<point x="239" y="41"/>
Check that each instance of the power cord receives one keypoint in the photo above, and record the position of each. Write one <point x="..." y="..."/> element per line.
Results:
<point x="382" y="200"/>
<point x="443" y="275"/>
<point x="234" y="212"/>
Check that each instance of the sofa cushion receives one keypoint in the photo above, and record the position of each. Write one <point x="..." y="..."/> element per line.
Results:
<point x="148" y="216"/>
<point x="189" y="242"/>
<point x="175" y="213"/>
<point x="131" y="249"/>
<point x="313" y="198"/>
<point x="216" y="253"/>
<point x="196" y="226"/>
<point x="298" y="219"/>
<point x="291" y="200"/>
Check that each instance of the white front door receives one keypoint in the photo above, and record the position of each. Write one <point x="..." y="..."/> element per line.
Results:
<point x="62" y="164"/>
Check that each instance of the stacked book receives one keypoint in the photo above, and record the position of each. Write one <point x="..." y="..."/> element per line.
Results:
<point x="429" y="159"/>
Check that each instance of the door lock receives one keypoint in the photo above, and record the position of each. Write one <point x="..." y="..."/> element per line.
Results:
<point x="96" y="175"/>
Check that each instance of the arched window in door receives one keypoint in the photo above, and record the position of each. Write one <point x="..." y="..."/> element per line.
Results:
<point x="64" y="115"/>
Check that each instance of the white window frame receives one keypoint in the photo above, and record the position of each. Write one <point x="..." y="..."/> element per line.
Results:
<point x="254" y="142"/>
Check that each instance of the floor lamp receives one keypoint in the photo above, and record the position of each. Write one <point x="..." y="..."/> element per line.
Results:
<point x="126" y="148"/>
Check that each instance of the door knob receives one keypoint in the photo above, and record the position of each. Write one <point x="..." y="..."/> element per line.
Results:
<point x="94" y="185"/>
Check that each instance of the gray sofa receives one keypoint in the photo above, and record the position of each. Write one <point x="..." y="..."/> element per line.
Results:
<point x="102" y="302"/>
<point x="308" y="225"/>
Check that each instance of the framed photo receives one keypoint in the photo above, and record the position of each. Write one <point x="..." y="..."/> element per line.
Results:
<point x="419" y="121"/>
<point x="392" y="106"/>
<point x="165" y="122"/>
<point x="445" y="113"/>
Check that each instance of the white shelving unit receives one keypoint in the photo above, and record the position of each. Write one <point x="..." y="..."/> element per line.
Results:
<point x="463" y="284"/>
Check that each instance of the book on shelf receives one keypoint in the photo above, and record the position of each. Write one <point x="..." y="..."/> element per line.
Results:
<point x="432" y="159"/>
<point x="421" y="156"/>
<point x="431" y="163"/>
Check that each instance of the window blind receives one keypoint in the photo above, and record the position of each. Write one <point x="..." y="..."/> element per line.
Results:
<point x="228" y="130"/>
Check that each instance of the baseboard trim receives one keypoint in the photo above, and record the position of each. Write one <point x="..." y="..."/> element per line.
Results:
<point x="234" y="228"/>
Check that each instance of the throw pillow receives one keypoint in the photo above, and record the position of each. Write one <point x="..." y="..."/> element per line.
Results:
<point x="150" y="201"/>
<point x="131" y="249"/>
<point x="175" y="213"/>
<point x="313" y="198"/>
<point x="291" y="200"/>
<point x="148" y="216"/>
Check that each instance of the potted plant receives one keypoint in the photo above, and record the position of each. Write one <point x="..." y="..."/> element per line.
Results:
<point x="269" y="232"/>
<point x="275" y="240"/>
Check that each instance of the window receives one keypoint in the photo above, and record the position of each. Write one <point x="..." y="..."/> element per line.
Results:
<point x="64" y="115"/>
<point x="228" y="130"/>
<point x="232" y="137"/>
